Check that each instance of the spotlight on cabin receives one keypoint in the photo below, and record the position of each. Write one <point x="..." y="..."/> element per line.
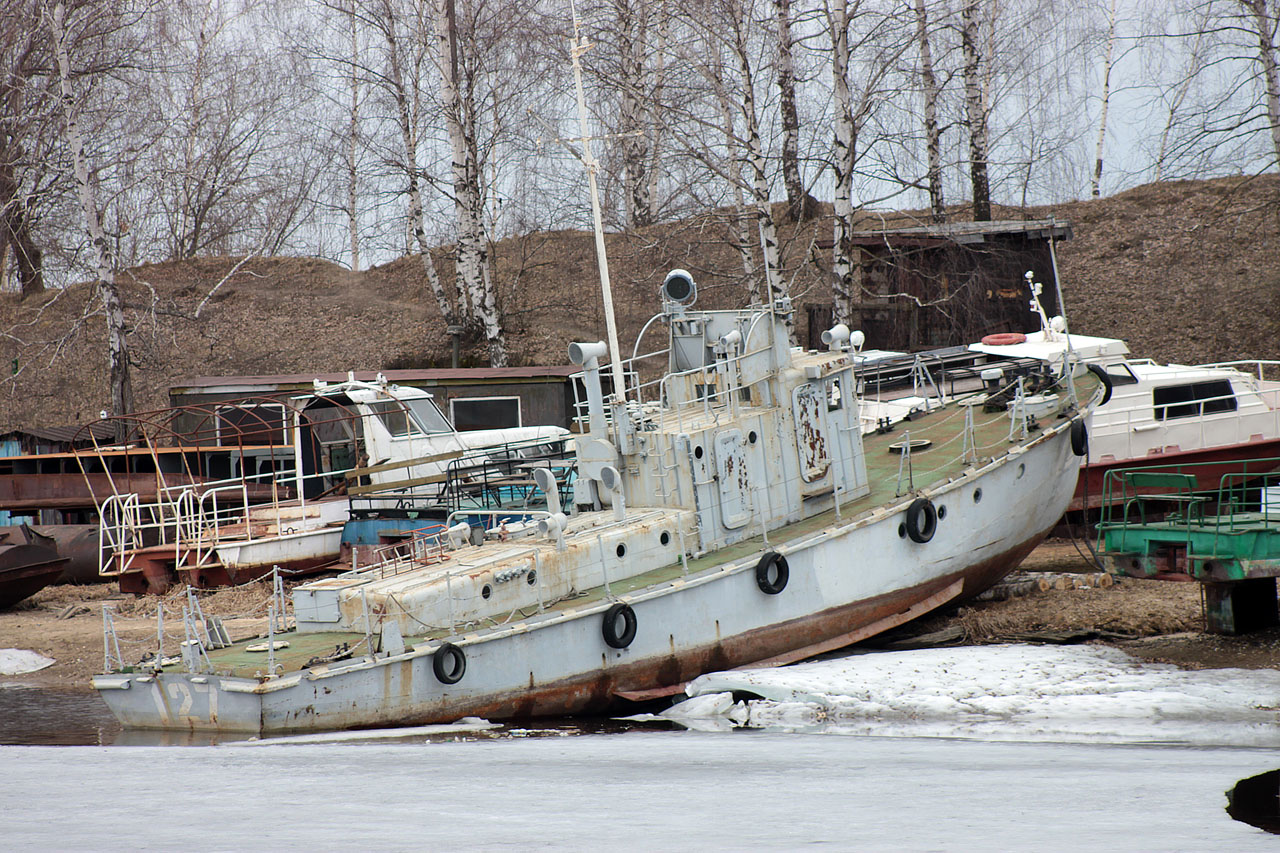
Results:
<point x="678" y="288"/>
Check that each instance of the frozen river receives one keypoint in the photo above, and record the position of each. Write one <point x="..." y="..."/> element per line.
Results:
<point x="1002" y="749"/>
<point x="631" y="791"/>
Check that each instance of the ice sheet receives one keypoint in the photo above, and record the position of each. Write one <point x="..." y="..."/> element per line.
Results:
<point x="18" y="661"/>
<point x="1013" y="692"/>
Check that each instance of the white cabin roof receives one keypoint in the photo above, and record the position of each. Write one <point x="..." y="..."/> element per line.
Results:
<point x="1087" y="347"/>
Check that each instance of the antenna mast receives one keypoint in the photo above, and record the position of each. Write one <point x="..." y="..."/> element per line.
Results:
<point x="579" y="46"/>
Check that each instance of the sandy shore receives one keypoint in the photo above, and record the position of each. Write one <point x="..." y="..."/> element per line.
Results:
<point x="1155" y="620"/>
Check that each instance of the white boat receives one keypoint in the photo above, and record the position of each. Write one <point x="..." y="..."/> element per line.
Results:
<point x="294" y="468"/>
<point x="1208" y="417"/>
<point x="729" y="513"/>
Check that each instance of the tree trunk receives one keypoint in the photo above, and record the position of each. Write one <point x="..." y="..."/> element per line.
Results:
<point x="933" y="135"/>
<point x="776" y="287"/>
<point x="1106" y="100"/>
<point x="117" y="344"/>
<point x="353" y="128"/>
<point x="406" y="112"/>
<point x="800" y="206"/>
<point x="1265" y="25"/>
<point x="471" y="249"/>
<point x="975" y="111"/>
<point x="633" y="28"/>
<point x="15" y="233"/>
<point x="842" y="282"/>
<point x="739" y="235"/>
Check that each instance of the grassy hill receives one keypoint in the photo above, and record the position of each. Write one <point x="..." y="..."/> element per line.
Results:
<point x="1186" y="271"/>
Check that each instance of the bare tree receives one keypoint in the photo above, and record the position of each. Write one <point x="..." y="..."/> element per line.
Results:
<point x="1106" y="98"/>
<point x="976" y="87"/>
<point x="850" y="26"/>
<point x="27" y="103"/>
<point x="104" y="261"/>
<point x="353" y="135"/>
<point x="800" y="205"/>
<point x="460" y="113"/>
<point x="1266" y="18"/>
<point x="933" y="133"/>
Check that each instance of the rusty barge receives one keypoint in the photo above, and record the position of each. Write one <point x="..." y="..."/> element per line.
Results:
<point x="728" y="513"/>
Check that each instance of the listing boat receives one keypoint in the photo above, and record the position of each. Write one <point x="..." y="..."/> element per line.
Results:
<point x="729" y="513"/>
<point x="279" y="492"/>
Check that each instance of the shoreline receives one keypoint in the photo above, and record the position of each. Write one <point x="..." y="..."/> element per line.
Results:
<point x="1156" y="621"/>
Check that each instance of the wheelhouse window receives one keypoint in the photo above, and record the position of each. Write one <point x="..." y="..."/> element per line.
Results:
<point x="1121" y="374"/>
<point x="410" y="417"/>
<point x="1193" y="399"/>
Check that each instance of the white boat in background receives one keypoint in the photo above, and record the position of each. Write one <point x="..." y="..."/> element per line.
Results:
<point x="1210" y="417"/>
<point x="295" y="465"/>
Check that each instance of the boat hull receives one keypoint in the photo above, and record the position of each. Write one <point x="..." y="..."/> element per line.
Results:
<point x="1211" y="463"/>
<point x="854" y="576"/>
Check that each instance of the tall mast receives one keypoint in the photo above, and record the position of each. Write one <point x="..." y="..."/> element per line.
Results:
<point x="578" y="47"/>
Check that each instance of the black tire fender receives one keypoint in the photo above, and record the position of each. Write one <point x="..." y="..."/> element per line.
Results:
<point x="922" y="520"/>
<point x="772" y="573"/>
<point x="1105" y="378"/>
<point x="1079" y="437"/>
<point x="449" y="663"/>
<point x="609" y="628"/>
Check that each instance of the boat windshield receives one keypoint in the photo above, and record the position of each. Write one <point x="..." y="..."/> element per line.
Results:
<point x="410" y="417"/>
<point x="429" y="416"/>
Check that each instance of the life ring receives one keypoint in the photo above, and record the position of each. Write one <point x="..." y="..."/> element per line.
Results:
<point x="449" y="663"/>
<point x="1099" y="371"/>
<point x="1079" y="437"/>
<point x="922" y="520"/>
<point x="772" y="573"/>
<point x="619" y="639"/>
<point x="1004" y="339"/>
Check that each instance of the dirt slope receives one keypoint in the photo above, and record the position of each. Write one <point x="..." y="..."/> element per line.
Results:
<point x="1185" y="271"/>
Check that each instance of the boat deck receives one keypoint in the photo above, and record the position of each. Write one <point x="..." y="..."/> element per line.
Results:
<point x="889" y="477"/>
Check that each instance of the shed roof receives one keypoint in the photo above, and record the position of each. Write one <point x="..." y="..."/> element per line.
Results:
<point x="426" y="376"/>
<point x="965" y="232"/>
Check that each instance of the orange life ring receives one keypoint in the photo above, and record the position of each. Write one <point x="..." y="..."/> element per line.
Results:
<point x="1004" y="339"/>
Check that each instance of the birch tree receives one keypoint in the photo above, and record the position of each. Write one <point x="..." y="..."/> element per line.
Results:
<point x="104" y="261"/>
<point x="800" y="204"/>
<point x="353" y="135"/>
<point x="1106" y="98"/>
<point x="1265" y="17"/>
<point x="933" y="134"/>
<point x="976" y="88"/>
<point x="872" y="33"/>
<point x="459" y="110"/>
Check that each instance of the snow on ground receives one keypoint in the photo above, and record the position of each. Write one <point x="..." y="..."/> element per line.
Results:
<point x="18" y="661"/>
<point x="1013" y="692"/>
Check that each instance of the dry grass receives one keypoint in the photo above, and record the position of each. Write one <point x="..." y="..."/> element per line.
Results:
<point x="1184" y="271"/>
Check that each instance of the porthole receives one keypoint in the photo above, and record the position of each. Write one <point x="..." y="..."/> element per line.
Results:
<point x="486" y="591"/>
<point x="942" y="512"/>
<point x="752" y="438"/>
<point x="532" y="577"/>
<point x="977" y="495"/>
<point x="902" y="531"/>
<point x="1022" y="469"/>
<point x="697" y="452"/>
<point x="665" y="538"/>
<point x="622" y="550"/>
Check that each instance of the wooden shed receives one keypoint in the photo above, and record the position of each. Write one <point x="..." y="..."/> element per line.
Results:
<point x="946" y="285"/>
